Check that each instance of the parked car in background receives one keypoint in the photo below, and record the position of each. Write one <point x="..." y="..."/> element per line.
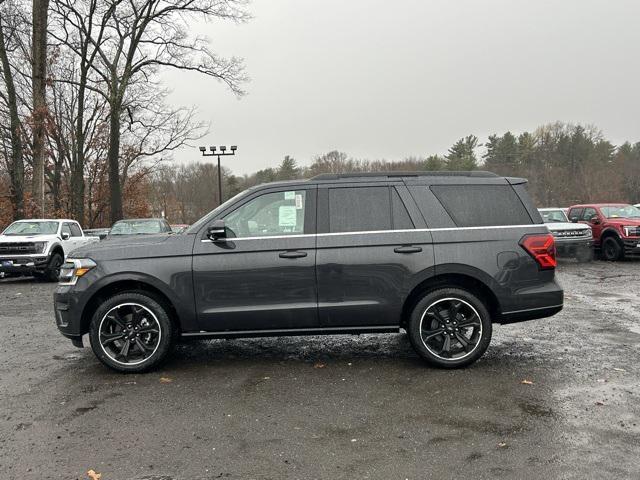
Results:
<point x="39" y="247"/>
<point x="101" y="233"/>
<point x="441" y="255"/>
<point x="616" y="227"/>
<point x="572" y="240"/>
<point x="179" y="228"/>
<point x="139" y="226"/>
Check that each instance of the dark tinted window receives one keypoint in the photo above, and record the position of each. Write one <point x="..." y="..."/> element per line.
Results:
<point x="482" y="205"/>
<point x="575" y="214"/>
<point x="401" y="218"/>
<point x="359" y="209"/>
<point x="75" y="230"/>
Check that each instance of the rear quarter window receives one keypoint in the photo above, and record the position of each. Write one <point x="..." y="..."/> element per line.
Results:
<point x="482" y="205"/>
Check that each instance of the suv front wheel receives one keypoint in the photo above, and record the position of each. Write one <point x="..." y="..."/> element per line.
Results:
<point x="450" y="328"/>
<point x="131" y="332"/>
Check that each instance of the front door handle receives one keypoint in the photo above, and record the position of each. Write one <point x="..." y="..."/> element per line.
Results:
<point x="292" y="254"/>
<point x="407" y="249"/>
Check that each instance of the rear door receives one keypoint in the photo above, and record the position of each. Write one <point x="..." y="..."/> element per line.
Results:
<point x="263" y="276"/>
<point x="368" y="253"/>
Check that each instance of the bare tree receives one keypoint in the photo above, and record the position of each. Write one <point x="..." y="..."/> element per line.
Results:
<point x="134" y="39"/>
<point x="10" y="101"/>
<point x="40" y="11"/>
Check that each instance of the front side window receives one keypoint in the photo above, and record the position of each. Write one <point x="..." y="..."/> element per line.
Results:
<point x="575" y="214"/>
<point x="359" y="209"/>
<point x="553" y="216"/>
<point x="65" y="229"/>
<point x="270" y="214"/>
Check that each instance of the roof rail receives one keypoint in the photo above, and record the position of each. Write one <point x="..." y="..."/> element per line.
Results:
<point x="424" y="173"/>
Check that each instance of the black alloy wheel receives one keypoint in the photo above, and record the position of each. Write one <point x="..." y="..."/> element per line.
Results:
<point x="612" y="250"/>
<point x="450" y="328"/>
<point x="131" y="332"/>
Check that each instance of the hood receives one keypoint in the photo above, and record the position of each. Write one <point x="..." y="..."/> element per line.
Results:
<point x="136" y="246"/>
<point x="566" y="226"/>
<point x="29" y="238"/>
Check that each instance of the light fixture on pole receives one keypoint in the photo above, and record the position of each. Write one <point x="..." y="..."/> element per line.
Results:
<point x="222" y="151"/>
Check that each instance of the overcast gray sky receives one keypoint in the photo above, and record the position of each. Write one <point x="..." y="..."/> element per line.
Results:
<point x="389" y="79"/>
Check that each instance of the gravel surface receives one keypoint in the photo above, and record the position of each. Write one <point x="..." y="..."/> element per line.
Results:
<point x="336" y="406"/>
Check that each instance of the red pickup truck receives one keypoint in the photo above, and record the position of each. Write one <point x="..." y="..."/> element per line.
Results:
<point x="616" y="227"/>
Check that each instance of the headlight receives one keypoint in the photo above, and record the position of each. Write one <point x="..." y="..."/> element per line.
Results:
<point x="73" y="269"/>
<point x="631" y="231"/>
<point x="40" y="247"/>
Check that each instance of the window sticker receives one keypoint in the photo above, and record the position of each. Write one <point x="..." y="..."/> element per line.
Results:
<point x="299" y="201"/>
<point x="287" y="216"/>
<point x="289" y="195"/>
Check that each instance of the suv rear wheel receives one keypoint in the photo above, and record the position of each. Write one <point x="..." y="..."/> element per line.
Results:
<point x="131" y="332"/>
<point x="612" y="250"/>
<point x="450" y="328"/>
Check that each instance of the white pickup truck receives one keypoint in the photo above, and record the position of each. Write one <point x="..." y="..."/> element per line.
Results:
<point x="38" y="247"/>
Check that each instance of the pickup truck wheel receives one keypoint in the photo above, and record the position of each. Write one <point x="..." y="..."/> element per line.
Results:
<point x="612" y="250"/>
<point x="131" y="332"/>
<point x="52" y="272"/>
<point x="450" y="328"/>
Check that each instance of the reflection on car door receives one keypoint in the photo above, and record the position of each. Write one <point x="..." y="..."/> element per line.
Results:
<point x="368" y="254"/>
<point x="263" y="276"/>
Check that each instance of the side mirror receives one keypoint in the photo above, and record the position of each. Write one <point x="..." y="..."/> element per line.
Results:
<point x="217" y="231"/>
<point x="594" y="220"/>
<point x="65" y="236"/>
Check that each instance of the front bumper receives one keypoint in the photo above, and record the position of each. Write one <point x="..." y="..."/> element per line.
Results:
<point x="631" y="246"/>
<point x="23" y="264"/>
<point x="68" y="305"/>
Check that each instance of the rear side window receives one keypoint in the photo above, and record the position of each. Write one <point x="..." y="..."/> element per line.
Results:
<point x="359" y="209"/>
<point x="482" y="205"/>
<point x="75" y="230"/>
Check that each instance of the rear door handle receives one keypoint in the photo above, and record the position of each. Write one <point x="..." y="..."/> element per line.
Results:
<point x="407" y="249"/>
<point x="292" y="254"/>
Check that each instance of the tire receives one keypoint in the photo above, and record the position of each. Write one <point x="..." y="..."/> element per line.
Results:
<point x="612" y="250"/>
<point x="437" y="308"/>
<point x="584" y="255"/>
<point x="52" y="272"/>
<point x="135" y="318"/>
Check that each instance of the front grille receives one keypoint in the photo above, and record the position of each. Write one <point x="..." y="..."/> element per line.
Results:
<point x="15" y="248"/>
<point x="570" y="233"/>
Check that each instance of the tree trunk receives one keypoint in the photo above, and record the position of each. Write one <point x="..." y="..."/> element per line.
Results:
<point x="39" y="81"/>
<point x="16" y="164"/>
<point x="113" y="157"/>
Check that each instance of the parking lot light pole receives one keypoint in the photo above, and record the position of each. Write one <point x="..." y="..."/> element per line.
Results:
<point x="222" y="151"/>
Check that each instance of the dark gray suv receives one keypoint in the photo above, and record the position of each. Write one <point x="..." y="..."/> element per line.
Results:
<point x="442" y="256"/>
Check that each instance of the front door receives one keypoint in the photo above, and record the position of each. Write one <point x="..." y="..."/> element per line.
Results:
<point x="588" y="216"/>
<point x="262" y="277"/>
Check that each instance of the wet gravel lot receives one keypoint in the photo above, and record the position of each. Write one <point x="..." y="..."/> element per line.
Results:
<point x="333" y="407"/>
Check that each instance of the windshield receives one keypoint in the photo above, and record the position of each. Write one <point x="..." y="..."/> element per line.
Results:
<point x="136" y="227"/>
<point x="32" y="228"/>
<point x="554" y="216"/>
<point x="620" y="211"/>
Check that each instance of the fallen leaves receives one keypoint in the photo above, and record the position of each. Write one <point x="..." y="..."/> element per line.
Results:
<point x="502" y="445"/>
<point x="166" y="380"/>
<point x="599" y="403"/>
<point x="319" y="365"/>
<point x="526" y="382"/>
<point x="94" y="475"/>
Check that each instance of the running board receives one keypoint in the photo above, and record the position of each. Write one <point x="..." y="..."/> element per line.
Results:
<point x="293" y="332"/>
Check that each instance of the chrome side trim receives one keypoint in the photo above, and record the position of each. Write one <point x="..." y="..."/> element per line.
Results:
<point x="532" y="309"/>
<point x="290" y="331"/>
<point x="377" y="232"/>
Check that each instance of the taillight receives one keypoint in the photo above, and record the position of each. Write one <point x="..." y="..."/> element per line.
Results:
<point x="542" y="248"/>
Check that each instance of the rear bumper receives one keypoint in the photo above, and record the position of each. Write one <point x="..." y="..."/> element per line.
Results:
<point x="530" y="314"/>
<point x="531" y="303"/>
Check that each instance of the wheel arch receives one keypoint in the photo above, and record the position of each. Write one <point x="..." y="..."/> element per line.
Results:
<point x="609" y="232"/>
<point x="122" y="284"/>
<point x="454" y="279"/>
<point x="56" y="248"/>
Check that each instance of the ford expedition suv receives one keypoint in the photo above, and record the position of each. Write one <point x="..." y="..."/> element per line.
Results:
<point x="442" y="256"/>
<point x="38" y="247"/>
<point x="616" y="227"/>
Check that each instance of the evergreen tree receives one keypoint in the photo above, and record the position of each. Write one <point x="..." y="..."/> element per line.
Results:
<point x="288" y="169"/>
<point x="462" y="155"/>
